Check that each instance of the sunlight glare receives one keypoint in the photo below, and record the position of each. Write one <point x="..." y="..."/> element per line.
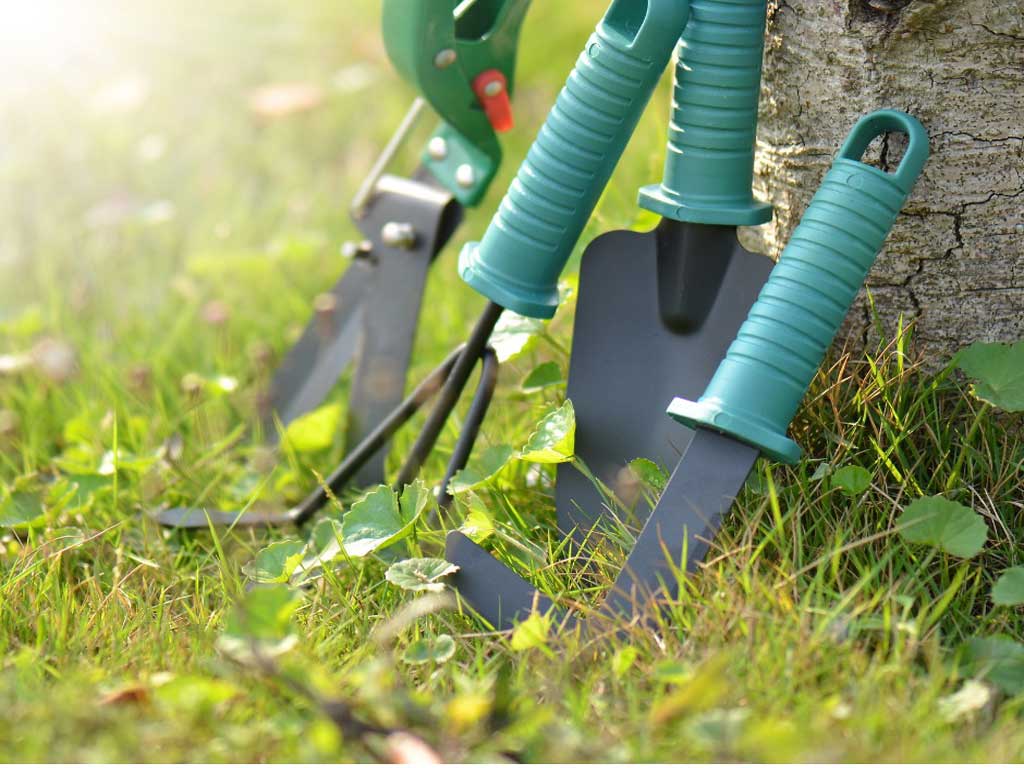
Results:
<point x="41" y="34"/>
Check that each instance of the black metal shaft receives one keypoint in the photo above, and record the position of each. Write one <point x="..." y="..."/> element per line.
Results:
<point x="377" y="438"/>
<point x="471" y="426"/>
<point x="450" y="393"/>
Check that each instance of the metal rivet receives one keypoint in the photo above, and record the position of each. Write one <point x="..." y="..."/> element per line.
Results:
<point x="398" y="234"/>
<point x="354" y="250"/>
<point x="465" y="176"/>
<point x="493" y="88"/>
<point x="437" y="148"/>
<point x="325" y="304"/>
<point x="445" y="58"/>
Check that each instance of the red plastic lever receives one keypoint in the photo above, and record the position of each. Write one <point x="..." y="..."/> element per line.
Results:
<point x="491" y="88"/>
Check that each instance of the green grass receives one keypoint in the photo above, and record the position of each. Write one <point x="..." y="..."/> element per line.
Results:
<point x="816" y="632"/>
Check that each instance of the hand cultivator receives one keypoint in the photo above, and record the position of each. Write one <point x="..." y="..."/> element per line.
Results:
<point x="461" y="58"/>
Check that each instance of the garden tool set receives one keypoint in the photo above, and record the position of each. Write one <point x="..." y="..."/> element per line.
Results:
<point x="747" y="407"/>
<point x="682" y="317"/>
<point x="461" y="58"/>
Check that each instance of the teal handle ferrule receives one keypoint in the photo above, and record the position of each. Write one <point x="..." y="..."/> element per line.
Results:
<point x="757" y="388"/>
<point x="537" y="225"/>
<point x="709" y="167"/>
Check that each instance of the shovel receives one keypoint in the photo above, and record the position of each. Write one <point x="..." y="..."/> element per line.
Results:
<point x="462" y="59"/>
<point x="747" y="407"/>
<point x="657" y="311"/>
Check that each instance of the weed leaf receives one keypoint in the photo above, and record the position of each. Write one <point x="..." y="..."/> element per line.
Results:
<point x="554" y="440"/>
<point x="998" y="659"/>
<point x="544" y="375"/>
<point x="195" y="694"/>
<point x="22" y="510"/>
<point x="262" y="622"/>
<point x="512" y="334"/>
<point x="315" y="430"/>
<point x="430" y="649"/>
<point x="276" y="563"/>
<point x="420" y="574"/>
<point x="532" y="632"/>
<point x="649" y="473"/>
<point x="997" y="371"/>
<point x="324" y="546"/>
<point x="478" y="472"/>
<point x="851" y="480"/>
<point x="952" y="527"/>
<point x="1009" y="590"/>
<point x="378" y="520"/>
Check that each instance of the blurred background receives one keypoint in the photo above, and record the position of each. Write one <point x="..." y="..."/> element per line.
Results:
<point x="174" y="186"/>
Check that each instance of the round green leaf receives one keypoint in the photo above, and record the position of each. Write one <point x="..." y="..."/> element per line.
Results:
<point x="851" y="480"/>
<point x="276" y="563"/>
<point x="195" y="694"/>
<point x="482" y="469"/>
<point x="544" y="375"/>
<point x="649" y="473"/>
<point x="554" y="440"/>
<point x="264" y="613"/>
<point x="532" y="632"/>
<point x="1009" y="590"/>
<point x="378" y="520"/>
<point x="315" y="430"/>
<point x="951" y="527"/>
<point x="420" y="574"/>
<point x="324" y="546"/>
<point x="999" y="659"/>
<point x="430" y="649"/>
<point x="22" y="510"/>
<point x="512" y="334"/>
<point x="997" y="371"/>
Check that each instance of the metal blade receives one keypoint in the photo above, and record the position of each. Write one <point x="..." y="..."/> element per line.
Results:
<point x="688" y="514"/>
<point x="326" y="347"/>
<point x="685" y="520"/>
<point x="391" y="313"/>
<point x="655" y="316"/>
<point x="496" y="592"/>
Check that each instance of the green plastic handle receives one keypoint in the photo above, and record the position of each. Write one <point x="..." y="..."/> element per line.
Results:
<point x="757" y="388"/>
<point x="525" y="248"/>
<point x="709" y="168"/>
<point x="440" y="56"/>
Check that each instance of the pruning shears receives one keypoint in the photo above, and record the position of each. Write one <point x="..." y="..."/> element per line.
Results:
<point x="460" y="57"/>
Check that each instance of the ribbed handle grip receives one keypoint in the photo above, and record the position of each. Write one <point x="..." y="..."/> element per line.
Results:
<point x="757" y="388"/>
<point x="525" y="248"/>
<point x="710" y="163"/>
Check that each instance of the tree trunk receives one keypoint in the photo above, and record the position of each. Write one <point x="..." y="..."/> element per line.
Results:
<point x="955" y="261"/>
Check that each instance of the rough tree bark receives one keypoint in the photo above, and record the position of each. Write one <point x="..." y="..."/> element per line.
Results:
<point x="955" y="261"/>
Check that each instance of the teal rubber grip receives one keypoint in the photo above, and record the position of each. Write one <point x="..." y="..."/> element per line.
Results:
<point x="709" y="167"/>
<point x="537" y="225"/>
<point x="757" y="388"/>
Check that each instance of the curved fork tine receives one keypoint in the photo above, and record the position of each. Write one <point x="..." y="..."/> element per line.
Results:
<point x="197" y="517"/>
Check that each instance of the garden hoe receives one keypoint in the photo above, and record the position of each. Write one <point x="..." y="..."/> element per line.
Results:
<point x="461" y="58"/>
<point x="752" y="397"/>
<point x="657" y="311"/>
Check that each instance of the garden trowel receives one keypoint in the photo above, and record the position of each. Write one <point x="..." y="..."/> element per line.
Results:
<point x="657" y="311"/>
<point x="752" y="397"/>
